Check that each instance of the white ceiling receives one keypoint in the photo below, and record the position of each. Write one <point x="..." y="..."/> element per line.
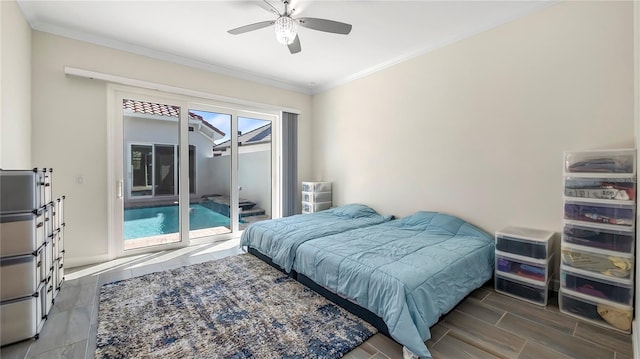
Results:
<point x="194" y="33"/>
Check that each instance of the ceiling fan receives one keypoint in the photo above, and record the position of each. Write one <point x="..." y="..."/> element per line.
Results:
<point x="285" y="26"/>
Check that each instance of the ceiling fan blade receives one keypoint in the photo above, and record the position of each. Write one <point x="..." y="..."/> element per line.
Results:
<point x="251" y="27"/>
<point x="325" y="25"/>
<point x="295" y="47"/>
<point x="270" y="8"/>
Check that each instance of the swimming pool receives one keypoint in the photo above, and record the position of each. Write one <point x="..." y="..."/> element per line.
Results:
<point x="153" y="221"/>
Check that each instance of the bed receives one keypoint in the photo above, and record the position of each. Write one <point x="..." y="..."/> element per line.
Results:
<point x="408" y="271"/>
<point x="278" y="239"/>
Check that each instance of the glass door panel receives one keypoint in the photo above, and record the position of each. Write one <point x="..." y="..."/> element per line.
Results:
<point x="254" y="170"/>
<point x="210" y="175"/>
<point x="151" y="214"/>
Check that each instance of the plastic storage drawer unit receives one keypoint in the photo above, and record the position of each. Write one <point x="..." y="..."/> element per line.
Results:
<point x="608" y="263"/>
<point x="601" y="161"/>
<point x="622" y="240"/>
<point x="622" y="189"/>
<point x="610" y="315"/>
<point x="21" y="233"/>
<point x="524" y="242"/>
<point x="316" y="186"/>
<point x="313" y="197"/>
<point x="522" y="288"/>
<point x="596" y="286"/>
<point x="612" y="214"/>
<point x="525" y="267"/>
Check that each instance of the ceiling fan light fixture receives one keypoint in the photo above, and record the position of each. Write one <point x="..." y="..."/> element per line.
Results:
<point x="285" y="28"/>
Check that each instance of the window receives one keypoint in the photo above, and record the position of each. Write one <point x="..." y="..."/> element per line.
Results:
<point x="154" y="170"/>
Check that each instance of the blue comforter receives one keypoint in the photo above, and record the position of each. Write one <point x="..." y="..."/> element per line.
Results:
<point x="279" y="238"/>
<point x="408" y="271"/>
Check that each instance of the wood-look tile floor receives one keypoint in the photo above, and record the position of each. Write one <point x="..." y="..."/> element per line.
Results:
<point x="484" y="325"/>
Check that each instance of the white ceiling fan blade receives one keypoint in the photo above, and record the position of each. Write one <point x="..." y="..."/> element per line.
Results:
<point x="325" y="25"/>
<point x="251" y="27"/>
<point x="270" y="8"/>
<point x="295" y="47"/>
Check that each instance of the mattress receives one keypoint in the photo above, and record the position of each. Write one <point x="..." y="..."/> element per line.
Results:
<point x="278" y="239"/>
<point x="408" y="271"/>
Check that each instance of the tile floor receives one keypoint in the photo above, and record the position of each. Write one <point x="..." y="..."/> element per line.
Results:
<point x="485" y="325"/>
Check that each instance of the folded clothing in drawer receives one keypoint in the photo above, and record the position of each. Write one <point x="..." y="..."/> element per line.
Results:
<point x="523" y="266"/>
<point x="619" y="241"/>
<point x="619" y="291"/>
<point x="607" y="214"/>
<point x="622" y="190"/>
<point x="616" y="317"/>
<point x="601" y="161"/>
<point x="607" y="263"/>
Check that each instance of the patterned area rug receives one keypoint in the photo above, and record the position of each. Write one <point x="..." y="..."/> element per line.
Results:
<point x="236" y="307"/>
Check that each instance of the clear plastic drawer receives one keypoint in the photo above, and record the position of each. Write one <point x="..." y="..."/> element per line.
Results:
<point x="525" y="267"/>
<point x="308" y="207"/>
<point x="602" y="238"/>
<point x="523" y="247"/>
<point x="313" y="197"/>
<point x="530" y="291"/>
<point x="601" y="161"/>
<point x="608" y="263"/>
<point x="596" y="286"/>
<point x="316" y="186"/>
<point x="609" y="315"/>
<point x="609" y="214"/>
<point x="616" y="189"/>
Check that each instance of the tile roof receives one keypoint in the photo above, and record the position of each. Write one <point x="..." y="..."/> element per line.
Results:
<point x="159" y="109"/>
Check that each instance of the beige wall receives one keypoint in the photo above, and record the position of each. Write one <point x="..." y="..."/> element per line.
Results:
<point x="15" y="88"/>
<point x="70" y="116"/>
<point x="478" y="128"/>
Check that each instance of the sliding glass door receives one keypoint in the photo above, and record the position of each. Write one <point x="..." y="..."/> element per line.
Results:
<point x="233" y="162"/>
<point x="226" y="180"/>
<point x="151" y="156"/>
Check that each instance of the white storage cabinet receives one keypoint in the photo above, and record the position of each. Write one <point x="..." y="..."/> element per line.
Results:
<point x="31" y="252"/>
<point x="598" y="239"/>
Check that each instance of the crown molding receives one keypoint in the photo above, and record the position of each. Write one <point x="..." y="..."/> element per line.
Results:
<point x="168" y="57"/>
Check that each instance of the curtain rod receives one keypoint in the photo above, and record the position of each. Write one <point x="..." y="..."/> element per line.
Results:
<point x="93" y="75"/>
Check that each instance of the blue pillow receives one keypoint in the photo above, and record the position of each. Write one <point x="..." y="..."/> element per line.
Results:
<point x="354" y="210"/>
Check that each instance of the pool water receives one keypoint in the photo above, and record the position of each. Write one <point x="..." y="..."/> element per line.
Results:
<point x="153" y="221"/>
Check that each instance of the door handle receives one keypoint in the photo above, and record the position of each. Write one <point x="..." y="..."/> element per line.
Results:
<point x="119" y="188"/>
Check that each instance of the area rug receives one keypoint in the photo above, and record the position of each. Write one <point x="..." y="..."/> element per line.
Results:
<point x="236" y="307"/>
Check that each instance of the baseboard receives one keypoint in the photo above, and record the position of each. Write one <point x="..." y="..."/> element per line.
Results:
<point x="71" y="262"/>
<point x="635" y="336"/>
